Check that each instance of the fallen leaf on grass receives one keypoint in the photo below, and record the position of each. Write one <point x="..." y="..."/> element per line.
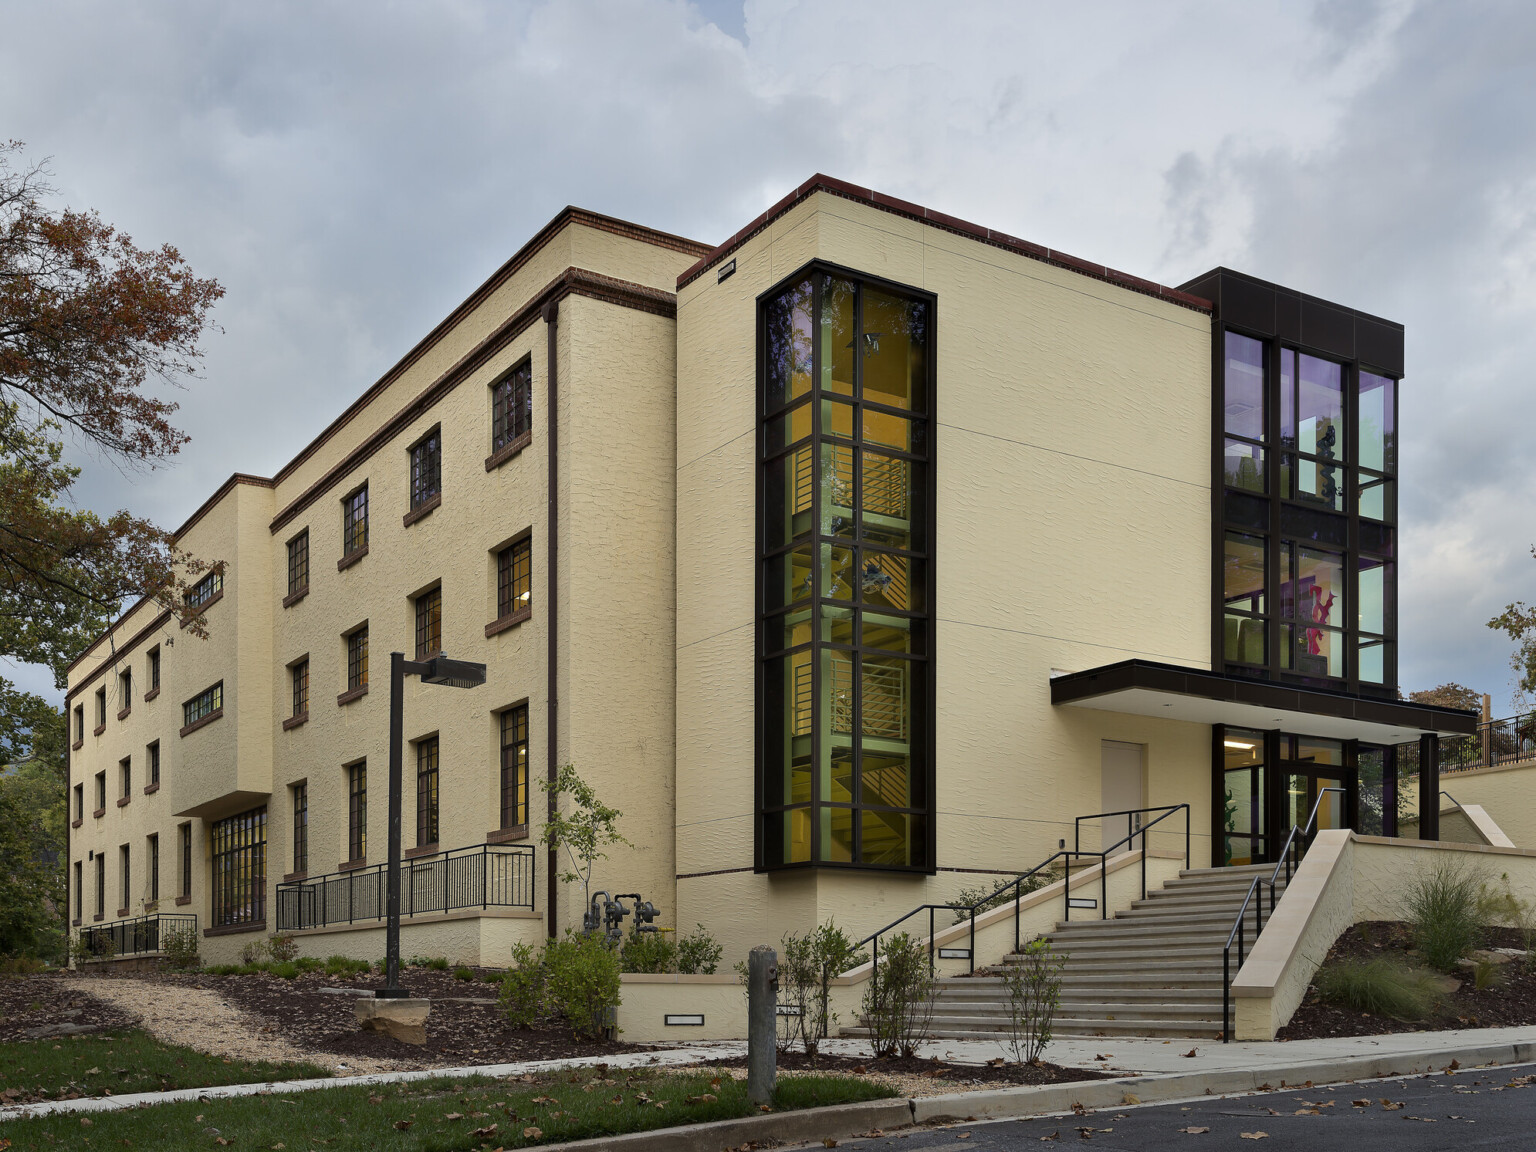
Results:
<point x="703" y="1098"/>
<point x="488" y="1130"/>
<point x="375" y="1099"/>
<point x="92" y="1071"/>
<point x="532" y="1133"/>
<point x="1194" y="1131"/>
<point x="86" y="1122"/>
<point x="402" y="1125"/>
<point x="454" y="1116"/>
<point x="552" y="1100"/>
<point x="1254" y="1135"/>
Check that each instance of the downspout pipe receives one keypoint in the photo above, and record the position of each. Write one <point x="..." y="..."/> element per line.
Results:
<point x="552" y="597"/>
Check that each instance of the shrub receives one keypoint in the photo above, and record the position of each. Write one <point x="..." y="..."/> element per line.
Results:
<point x="583" y="981"/>
<point x="222" y="969"/>
<point x="20" y="966"/>
<point x="256" y="952"/>
<point x="1485" y="974"/>
<point x="308" y="964"/>
<point x="346" y="966"/>
<point x="1034" y="993"/>
<point x="492" y="977"/>
<point x="898" y="1000"/>
<point x="178" y="947"/>
<point x="439" y="964"/>
<point x="284" y="969"/>
<point x="697" y="953"/>
<point x="1443" y="913"/>
<point x="1381" y="987"/>
<point x="984" y="899"/>
<point x="283" y="948"/>
<point x="522" y="987"/>
<point x="462" y="972"/>
<point x="1501" y="906"/>
<point x="648" y="952"/>
<point x="807" y="966"/>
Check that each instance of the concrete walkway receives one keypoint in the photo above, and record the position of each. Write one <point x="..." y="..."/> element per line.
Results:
<point x="1238" y="1067"/>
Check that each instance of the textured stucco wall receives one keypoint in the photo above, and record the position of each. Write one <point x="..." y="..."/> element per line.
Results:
<point x="1506" y="792"/>
<point x="1073" y="465"/>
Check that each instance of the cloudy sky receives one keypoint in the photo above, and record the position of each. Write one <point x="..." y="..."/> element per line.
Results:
<point x="349" y="172"/>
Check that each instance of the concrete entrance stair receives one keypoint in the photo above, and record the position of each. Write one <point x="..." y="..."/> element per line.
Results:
<point x="1154" y="969"/>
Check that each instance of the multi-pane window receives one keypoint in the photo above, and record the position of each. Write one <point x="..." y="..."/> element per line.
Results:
<point x="427" y="468"/>
<point x="154" y="669"/>
<point x="205" y="703"/>
<point x="101" y="790"/>
<point x="514" y="577"/>
<point x="511" y="406"/>
<point x="845" y="702"/>
<point x="79" y="801"/>
<point x="152" y="864"/>
<point x="354" y="522"/>
<point x="357" y="658"/>
<point x="205" y="590"/>
<point x="299" y="675"/>
<point x="79" y="723"/>
<point x="125" y="777"/>
<point x="1309" y="509"/>
<point x="429" y="623"/>
<point x="298" y="563"/>
<point x="101" y="707"/>
<point x="239" y="847"/>
<point x="301" y="827"/>
<point x="357" y="812"/>
<point x="185" y="834"/>
<point x="152" y="762"/>
<point x="514" y="766"/>
<point x="125" y="881"/>
<point x="125" y="690"/>
<point x="101" y="885"/>
<point x="426" y="791"/>
<point x="79" y="890"/>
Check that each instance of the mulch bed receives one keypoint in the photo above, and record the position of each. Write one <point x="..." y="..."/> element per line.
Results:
<point x="1510" y="1001"/>
<point x="993" y="1072"/>
<point x="458" y="1033"/>
<point x="28" y="1003"/>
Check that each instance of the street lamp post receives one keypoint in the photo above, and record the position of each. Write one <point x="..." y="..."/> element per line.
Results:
<point x="438" y="670"/>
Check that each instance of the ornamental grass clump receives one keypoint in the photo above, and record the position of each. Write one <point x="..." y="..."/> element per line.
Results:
<point x="1443" y="913"/>
<point x="1381" y="987"/>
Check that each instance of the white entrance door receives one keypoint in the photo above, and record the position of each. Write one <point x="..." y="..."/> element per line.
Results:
<point x="1122" y="788"/>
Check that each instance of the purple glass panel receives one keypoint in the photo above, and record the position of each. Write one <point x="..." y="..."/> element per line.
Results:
<point x="1244" y="386"/>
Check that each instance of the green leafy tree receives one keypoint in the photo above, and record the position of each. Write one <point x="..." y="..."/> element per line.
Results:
<point x="581" y="824"/>
<point x="1451" y="695"/>
<point x="1518" y="622"/>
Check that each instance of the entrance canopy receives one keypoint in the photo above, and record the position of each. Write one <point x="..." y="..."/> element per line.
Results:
<point x="1169" y="692"/>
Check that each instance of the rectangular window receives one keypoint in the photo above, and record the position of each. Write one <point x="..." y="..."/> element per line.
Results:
<point x="185" y="833"/>
<point x="514" y="577"/>
<point x="357" y="659"/>
<point x="426" y="791"/>
<point x="845" y="575"/>
<point x="154" y="669"/>
<point x="152" y="863"/>
<point x="125" y="690"/>
<point x="152" y="762"/>
<point x="205" y="590"/>
<point x="354" y="522"/>
<point x="427" y="469"/>
<point x="240" y="868"/>
<point x="125" y="885"/>
<point x="299" y="675"/>
<point x="429" y="623"/>
<point x="204" y="704"/>
<point x="101" y="885"/>
<point x="514" y="766"/>
<point x="301" y="827"/>
<point x="125" y="772"/>
<point x="357" y="812"/>
<point x="511" y="406"/>
<point x="101" y="791"/>
<point x="101" y="708"/>
<point x="79" y="723"/>
<point x="79" y="802"/>
<point x="298" y="563"/>
<point x="79" y="890"/>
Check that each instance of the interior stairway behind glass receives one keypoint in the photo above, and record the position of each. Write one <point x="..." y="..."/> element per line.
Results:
<point x="1153" y="969"/>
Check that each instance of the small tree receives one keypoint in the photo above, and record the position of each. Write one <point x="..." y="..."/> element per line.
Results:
<point x="1034" y="993"/>
<point x="898" y="1000"/>
<point x="584" y="831"/>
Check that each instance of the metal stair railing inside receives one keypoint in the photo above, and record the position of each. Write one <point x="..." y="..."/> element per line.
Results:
<point x="1001" y="895"/>
<point x="1290" y="859"/>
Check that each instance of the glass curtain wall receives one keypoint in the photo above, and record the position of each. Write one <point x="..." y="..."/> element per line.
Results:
<point x="845" y="699"/>
<point x="1309" y="513"/>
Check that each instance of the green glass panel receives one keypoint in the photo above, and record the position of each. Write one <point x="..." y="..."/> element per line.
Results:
<point x="841" y="778"/>
<point x="799" y="781"/>
<point x="894" y="348"/>
<point x="885" y="684"/>
<point x="890" y="632"/>
<point x="838" y="668"/>
<point x="837" y="352"/>
<point x="885" y="485"/>
<point x="837" y="834"/>
<point x="884" y="781"/>
<point x="887" y="838"/>
<point x="1243" y="570"/>
<point x="797" y="834"/>
<point x="1239" y="801"/>
<point x="1378" y="439"/>
<point x="1373" y="661"/>
<point x="1376" y="499"/>
<point x="837" y="625"/>
<point x="785" y="430"/>
<point x="837" y="419"/>
<point x="837" y="572"/>
<point x="788" y="631"/>
<point x="800" y="693"/>
<point x="787" y="578"/>
<point x="787" y="502"/>
<point x="1374" y="578"/>
<point x="837" y="490"/>
<point x="890" y="581"/>
<point x="1244" y="466"/>
<point x="888" y="429"/>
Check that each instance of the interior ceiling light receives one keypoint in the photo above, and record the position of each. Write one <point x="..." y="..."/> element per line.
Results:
<point x="1240" y="744"/>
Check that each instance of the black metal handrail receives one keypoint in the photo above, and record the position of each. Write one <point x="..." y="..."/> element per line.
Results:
<point x="483" y="876"/>
<point x="137" y="935"/>
<point x="1289" y="861"/>
<point x="997" y="898"/>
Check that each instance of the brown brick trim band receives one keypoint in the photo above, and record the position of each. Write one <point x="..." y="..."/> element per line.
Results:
<point x="151" y="694"/>
<point x="202" y="608"/>
<point x="294" y="721"/>
<point x="352" y="694"/>
<point x="507" y="835"/>
<point x="501" y="624"/>
<point x="182" y="901"/>
<point x="835" y="187"/>
<point x="421" y="512"/>
<point x="75" y="823"/>
<point x="99" y="729"/>
<point x="151" y="789"/>
<point x="351" y="558"/>
<point x="352" y="865"/>
<point x="295" y="596"/>
<point x="424" y="850"/>
<point x="573" y="281"/>
<point x="124" y="801"/>
<point x="77" y="745"/>
<point x="508" y="450"/>
<point x="216" y="714"/>
<point x="125" y="713"/>
<point x="293" y="877"/>
<point x="233" y="929"/>
<point x="121" y="912"/>
<point x="99" y="813"/>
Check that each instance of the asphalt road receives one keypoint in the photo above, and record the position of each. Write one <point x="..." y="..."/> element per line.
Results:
<point x="1469" y="1109"/>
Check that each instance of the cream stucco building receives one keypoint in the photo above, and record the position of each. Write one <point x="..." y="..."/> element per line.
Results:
<point x="854" y="560"/>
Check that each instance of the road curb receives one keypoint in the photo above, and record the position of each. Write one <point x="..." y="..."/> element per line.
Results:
<point x="837" y="1121"/>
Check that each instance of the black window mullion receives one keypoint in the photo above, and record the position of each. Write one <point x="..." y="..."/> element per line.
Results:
<point x="819" y="687"/>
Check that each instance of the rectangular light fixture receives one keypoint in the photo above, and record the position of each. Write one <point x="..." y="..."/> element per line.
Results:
<point x="1243" y="744"/>
<point x="455" y="673"/>
<point x="683" y="1019"/>
<point x="954" y="953"/>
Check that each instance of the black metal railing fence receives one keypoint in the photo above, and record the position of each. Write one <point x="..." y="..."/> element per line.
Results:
<point x="138" y="936"/>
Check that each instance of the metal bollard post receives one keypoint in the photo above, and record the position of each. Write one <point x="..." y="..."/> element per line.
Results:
<point x="762" y="1023"/>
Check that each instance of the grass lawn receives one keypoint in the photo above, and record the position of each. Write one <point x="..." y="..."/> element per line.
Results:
<point x="120" y="1062"/>
<point x="437" y="1114"/>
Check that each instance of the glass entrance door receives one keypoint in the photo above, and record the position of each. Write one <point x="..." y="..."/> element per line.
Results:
<point x="1304" y="790"/>
<point x="1270" y="782"/>
<point x="1309" y="766"/>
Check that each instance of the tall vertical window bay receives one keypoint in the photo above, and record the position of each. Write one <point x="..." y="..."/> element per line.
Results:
<point x="845" y="695"/>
